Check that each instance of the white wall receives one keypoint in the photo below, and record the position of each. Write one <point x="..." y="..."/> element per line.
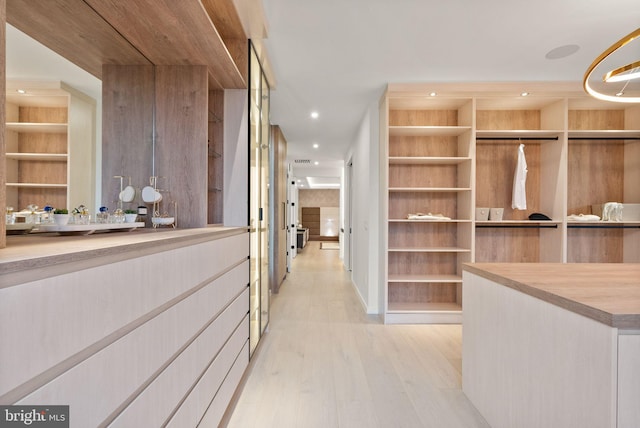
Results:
<point x="236" y="155"/>
<point x="365" y="202"/>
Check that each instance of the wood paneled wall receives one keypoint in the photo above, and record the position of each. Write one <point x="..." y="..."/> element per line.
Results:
<point x="311" y="221"/>
<point x="181" y="143"/>
<point x="180" y="94"/>
<point x="215" y="146"/>
<point x="127" y="127"/>
<point x="279" y="254"/>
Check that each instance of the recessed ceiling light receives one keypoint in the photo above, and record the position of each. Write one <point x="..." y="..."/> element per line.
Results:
<point x="316" y="163"/>
<point x="524" y="94"/>
<point x="433" y="94"/>
<point x="562" y="51"/>
<point x="315" y="145"/>
<point x="314" y="115"/>
<point x="21" y="91"/>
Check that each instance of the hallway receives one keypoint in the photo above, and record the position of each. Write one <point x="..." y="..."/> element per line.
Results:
<point x="325" y="363"/>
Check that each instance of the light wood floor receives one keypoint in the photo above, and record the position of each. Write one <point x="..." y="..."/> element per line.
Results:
<point x="325" y="363"/>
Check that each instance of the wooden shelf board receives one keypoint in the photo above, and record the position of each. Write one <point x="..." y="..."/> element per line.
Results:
<point x="61" y="157"/>
<point x="407" y="160"/>
<point x="453" y="279"/>
<point x="429" y="189"/>
<point x="52" y="128"/>
<point x="38" y="185"/>
<point x="417" y="131"/>
<point x="423" y="307"/>
<point x="517" y="133"/>
<point x="430" y="250"/>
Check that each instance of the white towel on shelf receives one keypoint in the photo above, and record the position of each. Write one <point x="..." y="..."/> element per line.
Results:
<point x="519" y="201"/>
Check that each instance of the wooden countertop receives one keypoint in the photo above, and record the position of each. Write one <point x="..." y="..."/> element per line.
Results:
<point x="606" y="292"/>
<point x="38" y="255"/>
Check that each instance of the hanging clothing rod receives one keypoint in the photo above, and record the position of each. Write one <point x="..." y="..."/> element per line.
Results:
<point x="604" y="138"/>
<point x="517" y="138"/>
<point x="518" y="226"/>
<point x="602" y="226"/>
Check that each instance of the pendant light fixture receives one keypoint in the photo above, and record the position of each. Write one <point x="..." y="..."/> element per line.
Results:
<point x="615" y="82"/>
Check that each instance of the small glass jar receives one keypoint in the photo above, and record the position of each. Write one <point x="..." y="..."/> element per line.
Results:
<point x="10" y="216"/>
<point x="102" y="216"/>
<point x="118" y="216"/>
<point x="47" y="216"/>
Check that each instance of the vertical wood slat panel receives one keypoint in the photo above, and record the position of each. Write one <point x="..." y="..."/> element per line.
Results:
<point x="181" y="142"/>
<point x="127" y="118"/>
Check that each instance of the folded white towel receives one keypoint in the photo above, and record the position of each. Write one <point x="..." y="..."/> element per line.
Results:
<point x="583" y="217"/>
<point x="429" y="216"/>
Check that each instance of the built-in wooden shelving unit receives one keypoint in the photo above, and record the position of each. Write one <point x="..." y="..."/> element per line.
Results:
<point x="450" y="153"/>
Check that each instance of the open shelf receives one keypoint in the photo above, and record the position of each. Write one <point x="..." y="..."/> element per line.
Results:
<point x="424" y="307"/>
<point x="416" y="160"/>
<point x="413" y="131"/>
<point x="431" y="249"/>
<point x="52" y="157"/>
<point x="38" y="185"/>
<point x="426" y="278"/>
<point x="49" y="128"/>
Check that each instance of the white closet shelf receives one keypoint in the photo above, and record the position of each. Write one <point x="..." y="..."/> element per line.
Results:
<point x="416" y="160"/>
<point x="453" y="279"/>
<point x="416" y="131"/>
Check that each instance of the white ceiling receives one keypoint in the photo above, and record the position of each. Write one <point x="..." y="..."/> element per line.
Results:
<point x="336" y="56"/>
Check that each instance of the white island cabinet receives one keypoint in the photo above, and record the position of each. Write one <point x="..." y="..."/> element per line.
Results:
<point x="552" y="345"/>
<point x="129" y="329"/>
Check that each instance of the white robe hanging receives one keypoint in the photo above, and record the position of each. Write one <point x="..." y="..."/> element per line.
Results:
<point x="519" y="201"/>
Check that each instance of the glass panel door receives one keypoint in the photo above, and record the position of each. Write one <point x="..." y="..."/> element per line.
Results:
<point x="255" y="98"/>
<point x="265" y="240"/>
<point x="260" y="175"/>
